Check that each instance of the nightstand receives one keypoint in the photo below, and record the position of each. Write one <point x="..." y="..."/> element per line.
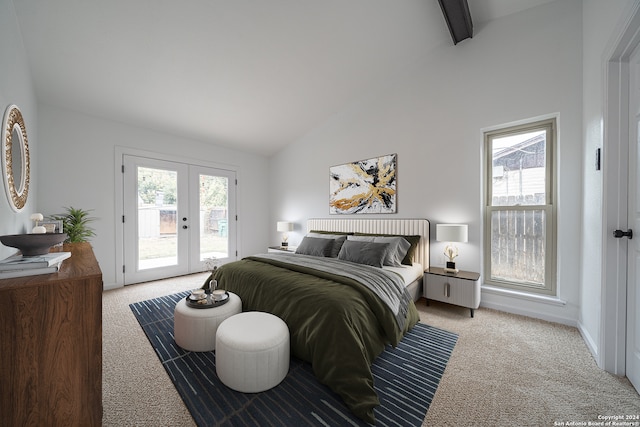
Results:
<point x="461" y="288"/>
<point x="289" y="249"/>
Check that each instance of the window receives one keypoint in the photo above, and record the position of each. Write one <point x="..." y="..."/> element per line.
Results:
<point x="520" y="214"/>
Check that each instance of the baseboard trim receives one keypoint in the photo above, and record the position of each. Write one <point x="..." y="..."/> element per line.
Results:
<point x="530" y="313"/>
<point x="545" y="299"/>
<point x="591" y="344"/>
<point x="111" y="286"/>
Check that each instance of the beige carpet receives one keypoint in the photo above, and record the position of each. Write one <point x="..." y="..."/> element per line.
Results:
<point x="505" y="370"/>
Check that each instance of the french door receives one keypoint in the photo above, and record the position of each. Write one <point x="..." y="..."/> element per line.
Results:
<point x="178" y="218"/>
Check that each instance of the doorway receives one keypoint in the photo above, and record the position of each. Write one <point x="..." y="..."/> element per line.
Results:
<point x="179" y="218"/>
<point x="619" y="337"/>
<point x="633" y="220"/>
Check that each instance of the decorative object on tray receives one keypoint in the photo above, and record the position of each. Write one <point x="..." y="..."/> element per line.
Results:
<point x="219" y="295"/>
<point x="33" y="244"/>
<point x="284" y="227"/>
<point x="38" y="229"/>
<point x="197" y="295"/>
<point x="75" y="223"/>
<point x="15" y="158"/>
<point x="52" y="226"/>
<point x="365" y="186"/>
<point x="451" y="233"/>
<point x="201" y="299"/>
<point x="212" y="265"/>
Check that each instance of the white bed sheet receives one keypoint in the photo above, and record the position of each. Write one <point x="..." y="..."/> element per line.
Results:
<point x="410" y="273"/>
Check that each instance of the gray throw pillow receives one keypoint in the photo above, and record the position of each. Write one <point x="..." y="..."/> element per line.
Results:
<point x="337" y="241"/>
<point x="315" y="246"/>
<point x="414" y="241"/>
<point x="368" y="253"/>
<point x="398" y="247"/>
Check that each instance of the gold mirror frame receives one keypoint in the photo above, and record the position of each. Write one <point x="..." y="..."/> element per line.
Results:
<point x="13" y="124"/>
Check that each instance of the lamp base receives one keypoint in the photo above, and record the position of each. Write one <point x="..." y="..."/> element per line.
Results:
<point x="451" y="267"/>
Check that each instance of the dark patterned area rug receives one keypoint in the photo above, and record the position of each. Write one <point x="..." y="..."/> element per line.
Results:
<point x="405" y="377"/>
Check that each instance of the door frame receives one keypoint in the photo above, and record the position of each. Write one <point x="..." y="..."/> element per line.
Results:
<point x="119" y="195"/>
<point x="613" y="313"/>
<point x="632" y="359"/>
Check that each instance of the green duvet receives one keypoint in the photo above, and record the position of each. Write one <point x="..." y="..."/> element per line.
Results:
<point x="335" y="323"/>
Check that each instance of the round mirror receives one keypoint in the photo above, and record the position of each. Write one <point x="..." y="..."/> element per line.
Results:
<point x="15" y="158"/>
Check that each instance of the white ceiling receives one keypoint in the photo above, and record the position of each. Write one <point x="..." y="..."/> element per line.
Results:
<point x="253" y="75"/>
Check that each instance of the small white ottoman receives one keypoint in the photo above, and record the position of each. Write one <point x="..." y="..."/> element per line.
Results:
<point x="252" y="351"/>
<point x="195" y="329"/>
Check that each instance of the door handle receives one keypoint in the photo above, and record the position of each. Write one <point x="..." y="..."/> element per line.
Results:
<point x="619" y="234"/>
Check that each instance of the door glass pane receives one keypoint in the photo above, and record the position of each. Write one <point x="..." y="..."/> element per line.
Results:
<point x="518" y="246"/>
<point x="157" y="224"/>
<point x="214" y="217"/>
<point x="519" y="169"/>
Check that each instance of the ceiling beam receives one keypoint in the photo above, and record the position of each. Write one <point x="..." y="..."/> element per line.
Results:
<point x="458" y="17"/>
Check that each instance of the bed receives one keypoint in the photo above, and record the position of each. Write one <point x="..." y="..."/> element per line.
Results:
<point x="341" y="311"/>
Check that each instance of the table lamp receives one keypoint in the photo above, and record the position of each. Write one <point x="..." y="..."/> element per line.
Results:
<point x="452" y="233"/>
<point x="284" y="227"/>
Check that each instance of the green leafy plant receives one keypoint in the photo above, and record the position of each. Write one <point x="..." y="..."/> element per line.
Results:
<point x="75" y="222"/>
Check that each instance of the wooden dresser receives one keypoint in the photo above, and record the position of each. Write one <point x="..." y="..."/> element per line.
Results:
<point x="51" y="345"/>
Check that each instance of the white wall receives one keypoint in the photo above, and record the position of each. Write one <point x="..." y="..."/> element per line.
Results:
<point x="432" y="114"/>
<point x="16" y="88"/>
<point x="78" y="169"/>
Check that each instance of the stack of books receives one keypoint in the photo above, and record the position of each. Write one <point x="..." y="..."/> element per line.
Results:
<point x="18" y="266"/>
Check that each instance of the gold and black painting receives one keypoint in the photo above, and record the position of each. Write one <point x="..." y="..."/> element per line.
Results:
<point x="365" y="186"/>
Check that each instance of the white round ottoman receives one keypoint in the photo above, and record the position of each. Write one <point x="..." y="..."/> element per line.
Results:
<point x="195" y="329"/>
<point x="252" y="351"/>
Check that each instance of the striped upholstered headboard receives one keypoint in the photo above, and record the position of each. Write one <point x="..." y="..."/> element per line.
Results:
<point x="407" y="227"/>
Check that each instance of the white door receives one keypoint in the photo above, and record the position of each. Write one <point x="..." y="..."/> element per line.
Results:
<point x="177" y="218"/>
<point x="633" y="265"/>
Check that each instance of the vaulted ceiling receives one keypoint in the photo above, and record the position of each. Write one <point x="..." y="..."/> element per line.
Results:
<point x="252" y="75"/>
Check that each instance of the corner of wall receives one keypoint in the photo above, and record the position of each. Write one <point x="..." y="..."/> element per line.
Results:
<point x="590" y="342"/>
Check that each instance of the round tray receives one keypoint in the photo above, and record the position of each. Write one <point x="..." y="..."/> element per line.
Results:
<point x="210" y="303"/>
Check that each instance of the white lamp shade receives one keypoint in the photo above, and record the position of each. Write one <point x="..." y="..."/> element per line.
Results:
<point x="452" y="233"/>
<point x="285" y="226"/>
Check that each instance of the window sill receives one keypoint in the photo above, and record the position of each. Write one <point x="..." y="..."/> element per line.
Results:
<point x="546" y="299"/>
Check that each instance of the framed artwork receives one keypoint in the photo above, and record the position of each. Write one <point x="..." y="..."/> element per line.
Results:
<point x="364" y="187"/>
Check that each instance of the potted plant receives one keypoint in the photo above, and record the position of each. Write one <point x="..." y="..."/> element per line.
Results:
<point x="75" y="222"/>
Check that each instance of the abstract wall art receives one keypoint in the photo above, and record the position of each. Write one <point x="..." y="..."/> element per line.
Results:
<point x="364" y="187"/>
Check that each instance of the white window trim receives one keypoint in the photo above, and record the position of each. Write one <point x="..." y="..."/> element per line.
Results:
<point x="550" y="291"/>
<point x="546" y="299"/>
